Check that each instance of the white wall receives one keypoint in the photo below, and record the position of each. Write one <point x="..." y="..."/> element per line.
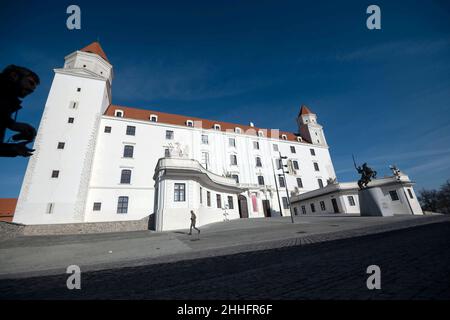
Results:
<point x="68" y="191"/>
<point x="341" y="199"/>
<point x="401" y="206"/>
<point x="149" y="143"/>
<point x="91" y="162"/>
<point x="176" y="215"/>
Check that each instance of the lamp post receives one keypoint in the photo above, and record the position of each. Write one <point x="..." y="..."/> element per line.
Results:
<point x="276" y="186"/>
<point x="285" y="184"/>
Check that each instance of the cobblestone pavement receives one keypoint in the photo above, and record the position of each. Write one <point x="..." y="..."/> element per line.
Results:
<point x="33" y="256"/>
<point x="414" y="262"/>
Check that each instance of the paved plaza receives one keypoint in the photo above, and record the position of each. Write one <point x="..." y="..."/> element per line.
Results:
<point x="314" y="258"/>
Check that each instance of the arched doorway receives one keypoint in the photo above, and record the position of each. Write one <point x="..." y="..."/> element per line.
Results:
<point x="243" y="208"/>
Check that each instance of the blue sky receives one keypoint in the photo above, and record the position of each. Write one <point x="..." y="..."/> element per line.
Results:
<point x="383" y="95"/>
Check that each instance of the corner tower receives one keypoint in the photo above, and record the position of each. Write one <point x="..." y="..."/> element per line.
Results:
<point x="55" y="186"/>
<point x="309" y="128"/>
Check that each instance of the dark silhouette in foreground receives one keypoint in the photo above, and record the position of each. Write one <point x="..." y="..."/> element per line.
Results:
<point x="15" y="84"/>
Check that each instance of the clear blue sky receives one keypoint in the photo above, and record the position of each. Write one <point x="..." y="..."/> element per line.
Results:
<point x="383" y="95"/>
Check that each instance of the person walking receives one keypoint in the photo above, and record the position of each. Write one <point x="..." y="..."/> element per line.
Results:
<point x="193" y="220"/>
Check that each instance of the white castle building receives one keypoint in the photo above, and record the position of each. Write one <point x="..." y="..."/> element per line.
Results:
<point x="95" y="161"/>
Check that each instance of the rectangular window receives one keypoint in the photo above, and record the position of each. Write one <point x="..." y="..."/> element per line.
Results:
<point x="125" y="176"/>
<point x="107" y="129"/>
<point x="169" y="134"/>
<point x="299" y="183"/>
<point x="313" y="152"/>
<point x="201" y="195"/>
<point x="293" y="149"/>
<point x="55" y="173"/>
<point x="232" y="142"/>
<point x="131" y="130"/>
<point x="316" y="166"/>
<point x="78" y="89"/>
<point x="97" y="206"/>
<point x="281" y="182"/>
<point x="279" y="164"/>
<point x="275" y="147"/>
<point x="70" y="120"/>
<point x="322" y="205"/>
<point x="256" y="145"/>
<point x="219" y="200"/>
<point x="208" y="198"/>
<point x="410" y="193"/>
<point x="351" y="200"/>
<point x="50" y="207"/>
<point x="235" y="177"/>
<point x="128" y="151"/>
<point x="73" y="105"/>
<point x="204" y="139"/>
<point x="258" y="162"/>
<point x="205" y="159"/>
<point x="295" y="211"/>
<point x="61" y="145"/>
<point x="233" y="160"/>
<point x="166" y="153"/>
<point x="320" y="183"/>
<point x="313" y="208"/>
<point x="394" y="195"/>
<point x="230" y="202"/>
<point x="285" y="203"/>
<point x="122" y="205"/>
<point x="261" y="180"/>
<point x="303" y="209"/>
<point x="180" y="192"/>
<point x="295" y="163"/>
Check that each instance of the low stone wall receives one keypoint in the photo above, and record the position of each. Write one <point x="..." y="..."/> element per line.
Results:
<point x="11" y="230"/>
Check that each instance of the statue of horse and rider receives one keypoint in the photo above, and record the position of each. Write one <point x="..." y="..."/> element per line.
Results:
<point x="367" y="174"/>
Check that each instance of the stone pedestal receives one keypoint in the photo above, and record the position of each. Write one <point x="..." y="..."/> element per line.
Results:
<point x="373" y="203"/>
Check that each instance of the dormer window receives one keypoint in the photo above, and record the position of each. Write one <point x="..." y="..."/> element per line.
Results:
<point x="153" y="118"/>
<point x="284" y="137"/>
<point x="237" y="130"/>
<point x="189" y="123"/>
<point x="299" y="139"/>
<point x="260" y="134"/>
<point x="118" y="113"/>
<point x="216" y="126"/>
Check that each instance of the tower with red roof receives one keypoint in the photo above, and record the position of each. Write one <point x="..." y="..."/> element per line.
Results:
<point x="309" y="128"/>
<point x="57" y="177"/>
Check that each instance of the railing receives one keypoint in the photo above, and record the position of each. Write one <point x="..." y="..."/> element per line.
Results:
<point x="194" y="165"/>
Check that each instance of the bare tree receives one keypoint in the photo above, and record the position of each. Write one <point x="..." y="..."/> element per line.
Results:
<point x="436" y="200"/>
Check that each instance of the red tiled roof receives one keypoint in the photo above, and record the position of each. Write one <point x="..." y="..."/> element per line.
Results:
<point x="95" y="47"/>
<point x="180" y="120"/>
<point x="7" y="208"/>
<point x="304" y="110"/>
